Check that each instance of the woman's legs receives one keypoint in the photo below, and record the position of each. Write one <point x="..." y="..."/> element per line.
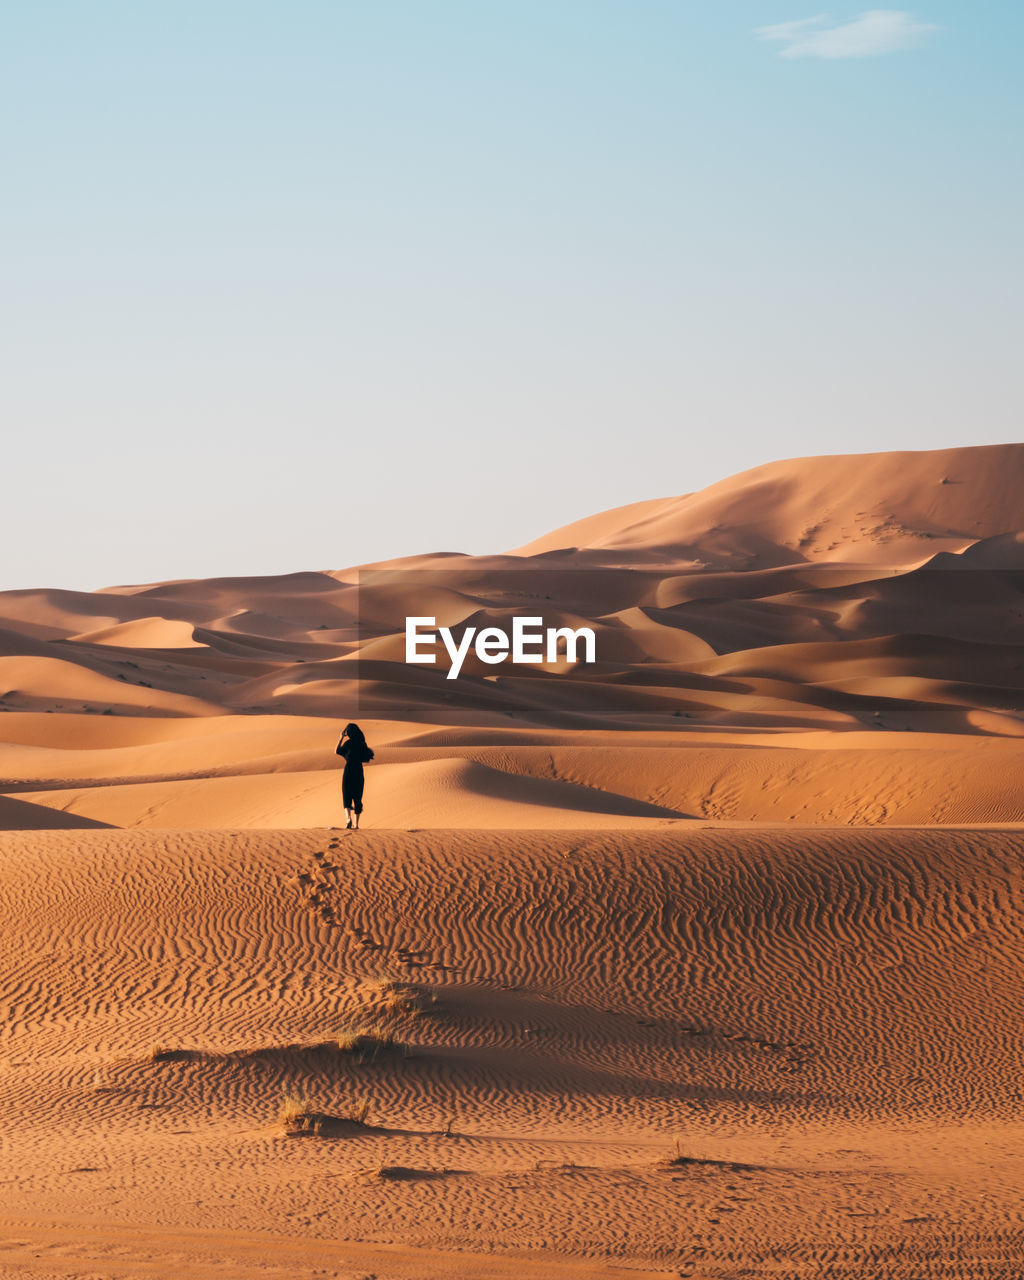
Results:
<point x="352" y="798"/>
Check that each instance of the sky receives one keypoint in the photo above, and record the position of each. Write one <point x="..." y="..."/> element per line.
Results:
<point x="306" y="285"/>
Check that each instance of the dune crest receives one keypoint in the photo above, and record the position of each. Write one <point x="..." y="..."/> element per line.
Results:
<point x="882" y="508"/>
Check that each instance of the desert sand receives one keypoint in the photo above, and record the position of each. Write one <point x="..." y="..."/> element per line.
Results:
<point x="702" y="961"/>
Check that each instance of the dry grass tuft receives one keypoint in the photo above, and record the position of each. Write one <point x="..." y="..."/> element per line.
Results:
<point x="389" y="1173"/>
<point x="364" y="1044"/>
<point x="298" y="1117"/>
<point x="296" y="1114"/>
<point x="680" y="1160"/>
<point x="360" y="1111"/>
<point x="679" y="1157"/>
<point x="404" y="997"/>
<point x="164" y="1053"/>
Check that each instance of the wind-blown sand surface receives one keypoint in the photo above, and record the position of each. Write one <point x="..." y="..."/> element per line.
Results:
<point x="702" y="961"/>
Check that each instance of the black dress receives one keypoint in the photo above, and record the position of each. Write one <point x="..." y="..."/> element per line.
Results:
<point x="355" y="754"/>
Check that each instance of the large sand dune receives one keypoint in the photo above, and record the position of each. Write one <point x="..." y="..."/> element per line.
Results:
<point x="699" y="961"/>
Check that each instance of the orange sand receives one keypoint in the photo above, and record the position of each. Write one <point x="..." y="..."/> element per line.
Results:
<point x="702" y="962"/>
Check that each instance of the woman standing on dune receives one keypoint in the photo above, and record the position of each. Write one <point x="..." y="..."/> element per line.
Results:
<point x="356" y="754"/>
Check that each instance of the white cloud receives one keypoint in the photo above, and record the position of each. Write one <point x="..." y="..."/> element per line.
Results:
<point x="873" y="32"/>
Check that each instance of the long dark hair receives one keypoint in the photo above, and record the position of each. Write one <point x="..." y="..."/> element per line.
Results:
<point x="355" y="733"/>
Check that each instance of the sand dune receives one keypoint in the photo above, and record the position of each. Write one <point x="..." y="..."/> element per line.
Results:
<point x="906" y="552"/>
<point x="144" y="633"/>
<point x="882" y="508"/>
<point x="531" y="786"/>
<point x="783" y="1014"/>
<point x="457" y="793"/>
<point x="702" y="960"/>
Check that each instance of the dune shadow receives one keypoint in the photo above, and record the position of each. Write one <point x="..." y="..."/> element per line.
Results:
<point x="23" y="815"/>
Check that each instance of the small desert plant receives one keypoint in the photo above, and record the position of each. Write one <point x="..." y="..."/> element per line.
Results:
<point x="404" y="997"/>
<point x="679" y="1157"/>
<point x="298" y="1117"/>
<point x="366" y="1043"/>
<point x="388" y="1173"/>
<point x="348" y="1041"/>
<point x="296" y="1114"/>
<point x="359" y="1111"/>
<point x="164" y="1053"/>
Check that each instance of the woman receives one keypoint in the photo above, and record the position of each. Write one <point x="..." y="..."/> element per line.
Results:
<point x="356" y="754"/>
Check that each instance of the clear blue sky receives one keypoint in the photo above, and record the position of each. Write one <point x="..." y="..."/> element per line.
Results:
<point x="302" y="285"/>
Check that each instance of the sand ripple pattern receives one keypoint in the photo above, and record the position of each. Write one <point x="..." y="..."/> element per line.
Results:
<point x="564" y="1007"/>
